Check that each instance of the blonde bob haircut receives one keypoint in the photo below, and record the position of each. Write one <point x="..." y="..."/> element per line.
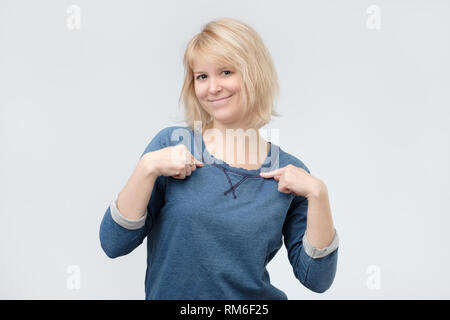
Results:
<point x="231" y="43"/>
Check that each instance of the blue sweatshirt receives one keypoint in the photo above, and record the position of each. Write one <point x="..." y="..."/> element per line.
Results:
<point x="212" y="234"/>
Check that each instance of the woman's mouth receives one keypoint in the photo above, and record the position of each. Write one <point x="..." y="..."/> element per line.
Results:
<point x="220" y="101"/>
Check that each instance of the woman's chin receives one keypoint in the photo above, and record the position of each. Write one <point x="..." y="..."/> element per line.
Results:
<point x="221" y="112"/>
<point x="225" y="118"/>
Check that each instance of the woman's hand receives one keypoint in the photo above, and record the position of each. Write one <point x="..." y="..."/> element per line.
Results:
<point x="175" y="161"/>
<point x="298" y="181"/>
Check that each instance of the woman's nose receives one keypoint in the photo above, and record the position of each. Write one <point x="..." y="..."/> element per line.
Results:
<point x="214" y="86"/>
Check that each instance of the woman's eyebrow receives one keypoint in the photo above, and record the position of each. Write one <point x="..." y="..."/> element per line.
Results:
<point x="216" y="69"/>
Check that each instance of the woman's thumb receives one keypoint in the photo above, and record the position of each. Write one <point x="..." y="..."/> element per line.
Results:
<point x="199" y="163"/>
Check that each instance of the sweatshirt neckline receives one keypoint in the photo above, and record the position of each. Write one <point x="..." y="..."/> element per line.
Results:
<point x="206" y="157"/>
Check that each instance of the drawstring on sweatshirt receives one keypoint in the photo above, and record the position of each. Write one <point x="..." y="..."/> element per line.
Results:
<point x="234" y="187"/>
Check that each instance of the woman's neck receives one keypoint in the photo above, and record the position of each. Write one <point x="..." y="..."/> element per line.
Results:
<point x="238" y="146"/>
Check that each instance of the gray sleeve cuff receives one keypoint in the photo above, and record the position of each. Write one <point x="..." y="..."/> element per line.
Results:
<point x="124" y="222"/>
<point x="315" y="253"/>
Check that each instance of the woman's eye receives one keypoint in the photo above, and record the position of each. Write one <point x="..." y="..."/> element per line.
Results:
<point x="198" y="77"/>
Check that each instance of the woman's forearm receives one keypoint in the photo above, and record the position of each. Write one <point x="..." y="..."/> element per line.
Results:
<point x="319" y="226"/>
<point x="133" y="199"/>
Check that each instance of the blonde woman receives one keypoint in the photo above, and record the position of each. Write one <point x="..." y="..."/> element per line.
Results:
<point x="212" y="222"/>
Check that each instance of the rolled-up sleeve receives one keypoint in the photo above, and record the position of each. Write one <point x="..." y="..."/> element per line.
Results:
<point x="315" y="253"/>
<point x="124" y="222"/>
<point x="117" y="240"/>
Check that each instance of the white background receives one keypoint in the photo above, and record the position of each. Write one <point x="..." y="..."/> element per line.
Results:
<point x="367" y="110"/>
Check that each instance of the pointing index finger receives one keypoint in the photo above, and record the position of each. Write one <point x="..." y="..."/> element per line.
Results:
<point x="270" y="174"/>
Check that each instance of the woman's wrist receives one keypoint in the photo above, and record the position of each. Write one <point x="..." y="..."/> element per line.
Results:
<point x="318" y="190"/>
<point x="148" y="166"/>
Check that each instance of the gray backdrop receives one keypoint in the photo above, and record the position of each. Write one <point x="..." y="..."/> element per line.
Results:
<point x="85" y="85"/>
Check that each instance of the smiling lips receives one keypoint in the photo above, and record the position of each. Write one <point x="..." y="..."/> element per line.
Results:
<point x="219" y="100"/>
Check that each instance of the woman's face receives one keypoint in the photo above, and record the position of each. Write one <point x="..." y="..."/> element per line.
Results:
<point x="213" y="82"/>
